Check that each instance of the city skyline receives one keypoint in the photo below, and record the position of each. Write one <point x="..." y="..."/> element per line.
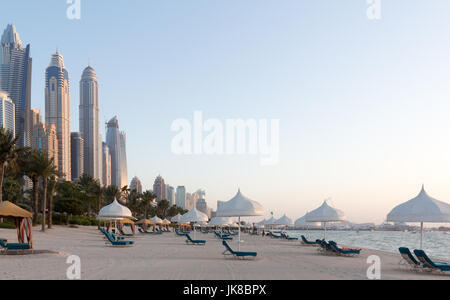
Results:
<point x="349" y="93"/>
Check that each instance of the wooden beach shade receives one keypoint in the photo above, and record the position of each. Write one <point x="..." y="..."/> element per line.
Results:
<point x="22" y="219"/>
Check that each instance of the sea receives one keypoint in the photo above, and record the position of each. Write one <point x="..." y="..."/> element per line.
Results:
<point x="436" y="244"/>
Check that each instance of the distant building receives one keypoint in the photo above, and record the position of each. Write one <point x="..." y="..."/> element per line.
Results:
<point x="136" y="185"/>
<point x="44" y="139"/>
<point x="202" y="206"/>
<point x="159" y="189"/>
<point x="123" y="158"/>
<point x="116" y="142"/>
<point x="7" y="113"/>
<point x="171" y="195"/>
<point x="15" y="79"/>
<point x="181" y="197"/>
<point x="106" y="165"/>
<point x="35" y="118"/>
<point x="57" y="110"/>
<point x="77" y="159"/>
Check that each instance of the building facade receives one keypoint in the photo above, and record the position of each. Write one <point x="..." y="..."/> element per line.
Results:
<point x="171" y="195"/>
<point x="44" y="139"/>
<point x="90" y="123"/>
<point x="123" y="159"/>
<point x="116" y="142"/>
<point x="15" y="79"/>
<point x="106" y="165"/>
<point x="35" y="118"/>
<point x="57" y="110"/>
<point x="77" y="153"/>
<point x="7" y="113"/>
<point x="181" y="197"/>
<point x="136" y="185"/>
<point x="159" y="189"/>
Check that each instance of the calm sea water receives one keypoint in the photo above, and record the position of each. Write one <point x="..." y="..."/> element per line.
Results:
<point x="436" y="244"/>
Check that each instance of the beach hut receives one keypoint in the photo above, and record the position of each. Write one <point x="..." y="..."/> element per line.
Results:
<point x="194" y="216"/>
<point x="22" y="219"/>
<point x="240" y="206"/>
<point x="421" y="209"/>
<point x="325" y="214"/>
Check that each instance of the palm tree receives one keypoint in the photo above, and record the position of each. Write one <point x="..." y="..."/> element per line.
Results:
<point x="147" y="199"/>
<point x="8" y="153"/>
<point x="98" y="192"/>
<point x="112" y="192"/>
<point x="31" y="169"/>
<point x="52" y="182"/>
<point x="85" y="183"/>
<point x="125" y="191"/>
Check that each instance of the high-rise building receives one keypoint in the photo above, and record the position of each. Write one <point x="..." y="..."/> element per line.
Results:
<point x="90" y="123"/>
<point x="106" y="165"/>
<point x="15" y="79"/>
<point x="123" y="159"/>
<point x="35" y="119"/>
<point x="57" y="109"/>
<point x="7" y="113"/>
<point x="44" y="139"/>
<point x="202" y="206"/>
<point x="159" y="189"/>
<point x="116" y="142"/>
<point x="181" y="197"/>
<point x="77" y="153"/>
<point x="171" y="195"/>
<point x="136" y="185"/>
<point x="190" y="201"/>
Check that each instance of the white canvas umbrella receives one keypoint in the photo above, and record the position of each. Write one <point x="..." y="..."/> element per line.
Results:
<point x="285" y="221"/>
<point x="220" y="221"/>
<point x="240" y="206"/>
<point x="421" y="209"/>
<point x="194" y="216"/>
<point x="157" y="220"/>
<point x="114" y="211"/>
<point x="176" y="219"/>
<point x="325" y="214"/>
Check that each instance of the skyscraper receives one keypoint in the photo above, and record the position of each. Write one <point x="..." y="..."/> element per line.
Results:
<point x="116" y="142"/>
<point x="77" y="153"/>
<point x="44" y="139"/>
<point x="159" y="189"/>
<point x="171" y="195"/>
<point x="57" y="109"/>
<point x="90" y="123"/>
<point x="7" y="112"/>
<point x="181" y="197"/>
<point x="15" y="79"/>
<point x="106" y="165"/>
<point x="35" y="118"/>
<point x="136" y="185"/>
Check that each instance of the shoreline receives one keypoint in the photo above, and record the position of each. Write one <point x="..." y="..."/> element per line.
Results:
<point x="168" y="257"/>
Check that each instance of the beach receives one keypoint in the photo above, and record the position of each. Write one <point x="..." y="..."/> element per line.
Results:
<point x="168" y="257"/>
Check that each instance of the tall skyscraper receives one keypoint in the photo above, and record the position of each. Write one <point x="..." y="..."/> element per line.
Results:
<point x="171" y="195"/>
<point x="35" y="118"/>
<point x="7" y="113"/>
<point x="136" y="185"/>
<point x="202" y="206"/>
<point x="90" y="123"/>
<point x="116" y="142"/>
<point x="159" y="189"/>
<point x="77" y="153"/>
<point x="181" y="197"/>
<point x="106" y="165"/>
<point x="57" y="109"/>
<point x="15" y="79"/>
<point x="44" y="139"/>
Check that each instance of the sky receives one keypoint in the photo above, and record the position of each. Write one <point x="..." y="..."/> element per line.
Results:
<point x="363" y="104"/>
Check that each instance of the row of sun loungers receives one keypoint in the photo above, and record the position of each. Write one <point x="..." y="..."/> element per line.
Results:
<point x="331" y="248"/>
<point x="223" y="236"/>
<point x="423" y="261"/>
<point x="9" y="246"/>
<point x="116" y="240"/>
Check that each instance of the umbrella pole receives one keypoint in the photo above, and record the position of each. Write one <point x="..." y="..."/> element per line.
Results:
<point x="239" y="225"/>
<point x="325" y="231"/>
<point x="421" y="235"/>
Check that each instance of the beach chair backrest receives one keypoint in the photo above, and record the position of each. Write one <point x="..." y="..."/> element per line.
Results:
<point x="2" y="243"/>
<point x="227" y="246"/>
<point x="407" y="256"/>
<point x="423" y="257"/>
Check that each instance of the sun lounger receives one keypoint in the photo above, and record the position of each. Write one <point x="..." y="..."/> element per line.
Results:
<point x="194" y="242"/>
<point x="125" y="234"/>
<point x="409" y="258"/>
<point x="288" y="237"/>
<point x="428" y="263"/>
<point x="237" y="254"/>
<point x="342" y="251"/>
<point x="9" y="246"/>
<point x="275" y="236"/>
<point x="117" y="242"/>
<point x="224" y="237"/>
<point x="325" y="247"/>
<point x="309" y="243"/>
<point x="180" y="233"/>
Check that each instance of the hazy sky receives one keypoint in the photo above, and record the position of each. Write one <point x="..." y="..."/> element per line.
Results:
<point x="363" y="105"/>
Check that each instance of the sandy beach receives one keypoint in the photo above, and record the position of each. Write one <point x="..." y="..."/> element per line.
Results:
<point x="168" y="257"/>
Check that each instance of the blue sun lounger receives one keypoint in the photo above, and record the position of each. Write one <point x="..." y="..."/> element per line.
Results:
<point x="180" y="233"/>
<point x="325" y="247"/>
<point x="428" y="263"/>
<point x="309" y="243"/>
<point x="275" y="236"/>
<point x="194" y="242"/>
<point x="224" y="237"/>
<point x="116" y="241"/>
<point x="9" y="246"/>
<point x="409" y="258"/>
<point x="340" y="251"/>
<point x="125" y="234"/>
<point x="288" y="237"/>
<point x="237" y="254"/>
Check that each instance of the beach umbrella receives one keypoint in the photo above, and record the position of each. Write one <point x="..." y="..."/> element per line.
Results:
<point x="194" y="216"/>
<point x="240" y="206"/>
<point x="421" y="209"/>
<point x="22" y="220"/>
<point x="166" y="222"/>
<point x="115" y="211"/>
<point x="176" y="219"/>
<point x="156" y="220"/>
<point x="325" y="214"/>
<point x="145" y="221"/>
<point x="285" y="221"/>
<point x="220" y="221"/>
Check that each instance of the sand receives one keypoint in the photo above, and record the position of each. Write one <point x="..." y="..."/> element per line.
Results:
<point x="169" y="257"/>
